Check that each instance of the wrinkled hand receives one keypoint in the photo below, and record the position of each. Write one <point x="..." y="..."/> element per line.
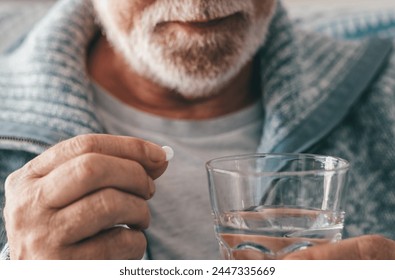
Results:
<point x="369" y="247"/>
<point x="65" y="203"/>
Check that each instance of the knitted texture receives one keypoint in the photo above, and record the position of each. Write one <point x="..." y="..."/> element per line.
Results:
<point x="44" y="78"/>
<point x="351" y="19"/>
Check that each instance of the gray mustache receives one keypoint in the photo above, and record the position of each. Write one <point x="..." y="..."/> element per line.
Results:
<point x="196" y="10"/>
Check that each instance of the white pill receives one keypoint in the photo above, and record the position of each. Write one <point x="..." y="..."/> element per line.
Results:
<point x="169" y="152"/>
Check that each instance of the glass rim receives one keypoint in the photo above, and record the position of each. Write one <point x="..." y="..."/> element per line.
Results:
<point x="344" y="166"/>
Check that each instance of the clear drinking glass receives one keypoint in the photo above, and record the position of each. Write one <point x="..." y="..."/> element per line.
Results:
<point x="268" y="205"/>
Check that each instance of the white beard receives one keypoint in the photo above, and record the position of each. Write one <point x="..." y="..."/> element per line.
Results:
<point x="193" y="65"/>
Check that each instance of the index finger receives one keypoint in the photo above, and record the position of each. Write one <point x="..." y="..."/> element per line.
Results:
<point x="148" y="154"/>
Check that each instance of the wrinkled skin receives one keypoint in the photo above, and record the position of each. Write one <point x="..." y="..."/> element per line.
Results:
<point x="68" y="202"/>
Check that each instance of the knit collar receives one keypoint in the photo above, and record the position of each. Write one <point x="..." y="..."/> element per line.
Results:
<point x="309" y="82"/>
<point x="44" y="80"/>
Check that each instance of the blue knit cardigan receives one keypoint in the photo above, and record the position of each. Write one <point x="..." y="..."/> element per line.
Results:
<point x="319" y="94"/>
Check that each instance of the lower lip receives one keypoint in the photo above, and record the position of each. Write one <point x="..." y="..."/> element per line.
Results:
<point x="203" y="26"/>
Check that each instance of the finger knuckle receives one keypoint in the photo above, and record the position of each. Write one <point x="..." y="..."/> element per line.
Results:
<point x="83" y="144"/>
<point x="141" y="147"/>
<point x="109" y="199"/>
<point x="11" y="182"/>
<point x="141" y="206"/>
<point x="86" y="166"/>
<point x="19" y="177"/>
<point x="146" y="214"/>
<point x="20" y="192"/>
<point x="141" y="180"/>
<point x="30" y="169"/>
<point x="134" y="242"/>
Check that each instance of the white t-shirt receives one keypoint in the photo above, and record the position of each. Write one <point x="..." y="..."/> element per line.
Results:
<point x="182" y="225"/>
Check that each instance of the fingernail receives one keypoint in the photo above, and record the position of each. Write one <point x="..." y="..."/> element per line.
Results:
<point x="169" y="152"/>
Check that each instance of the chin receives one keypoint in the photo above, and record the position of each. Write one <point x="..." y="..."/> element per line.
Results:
<point x="195" y="58"/>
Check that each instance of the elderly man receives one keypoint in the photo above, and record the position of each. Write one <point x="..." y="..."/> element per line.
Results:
<point x="84" y="115"/>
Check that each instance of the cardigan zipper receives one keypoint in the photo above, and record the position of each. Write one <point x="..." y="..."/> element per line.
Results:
<point x="25" y="140"/>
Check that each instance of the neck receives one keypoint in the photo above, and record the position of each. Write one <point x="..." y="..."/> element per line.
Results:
<point x="109" y="70"/>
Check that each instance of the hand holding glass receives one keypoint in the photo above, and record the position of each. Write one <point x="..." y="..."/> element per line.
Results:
<point x="268" y="205"/>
